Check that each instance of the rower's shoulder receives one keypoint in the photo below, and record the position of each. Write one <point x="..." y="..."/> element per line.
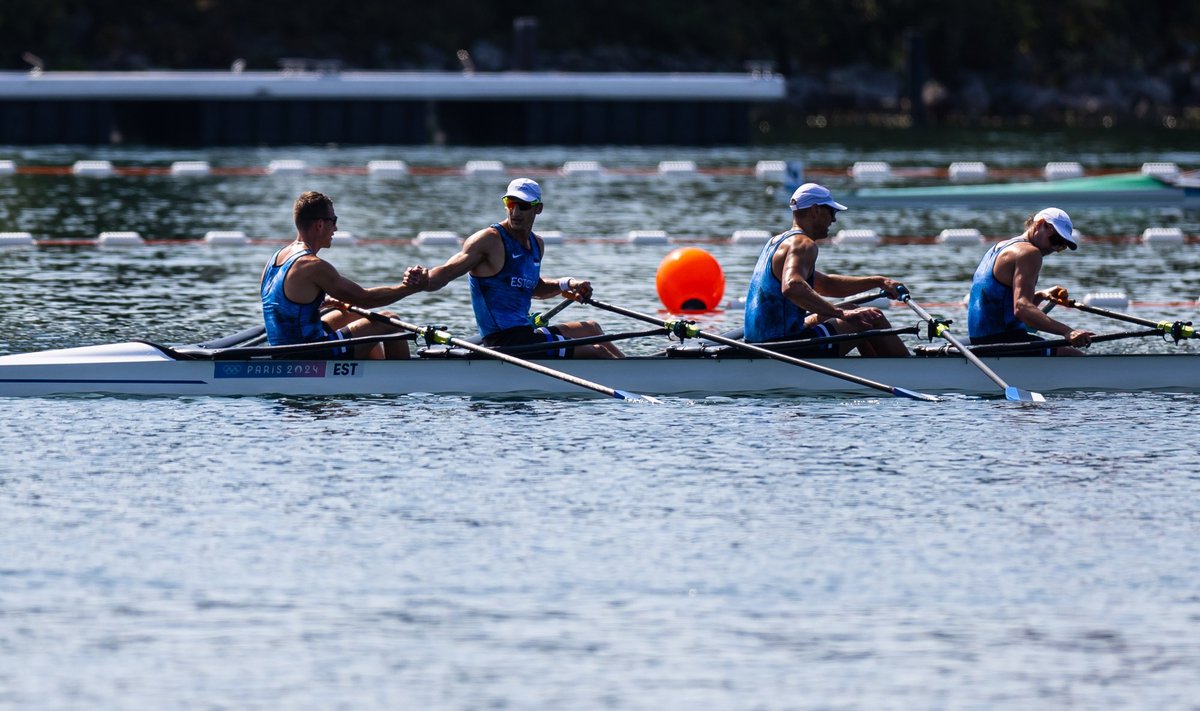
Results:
<point x="485" y="235"/>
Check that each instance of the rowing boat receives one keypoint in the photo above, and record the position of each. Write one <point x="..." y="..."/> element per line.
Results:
<point x="1122" y="189"/>
<point x="142" y="368"/>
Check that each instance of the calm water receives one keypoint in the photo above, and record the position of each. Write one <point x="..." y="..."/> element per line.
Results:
<point x="440" y="552"/>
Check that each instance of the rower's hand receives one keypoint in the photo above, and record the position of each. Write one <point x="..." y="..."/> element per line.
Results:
<point x="866" y="316"/>
<point x="1056" y="293"/>
<point x="1080" y="337"/>
<point x="331" y="303"/>
<point x="581" y="290"/>
<point x="894" y="289"/>
<point x="416" y="278"/>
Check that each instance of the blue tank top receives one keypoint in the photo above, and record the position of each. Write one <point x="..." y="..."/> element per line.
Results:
<point x="769" y="314"/>
<point x="288" y="322"/>
<point x="502" y="300"/>
<point x="990" y="306"/>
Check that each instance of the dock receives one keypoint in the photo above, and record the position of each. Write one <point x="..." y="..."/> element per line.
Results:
<point x="210" y="108"/>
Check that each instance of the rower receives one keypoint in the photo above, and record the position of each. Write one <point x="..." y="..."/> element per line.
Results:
<point x="784" y="302"/>
<point x="503" y="262"/>
<point x="1003" y="305"/>
<point x="297" y="286"/>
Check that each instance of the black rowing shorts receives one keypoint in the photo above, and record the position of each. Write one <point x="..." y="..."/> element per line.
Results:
<point x="524" y="335"/>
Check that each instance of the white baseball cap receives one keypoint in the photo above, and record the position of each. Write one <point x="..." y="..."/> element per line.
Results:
<point x="524" y="189"/>
<point x="1061" y="222"/>
<point x="811" y="194"/>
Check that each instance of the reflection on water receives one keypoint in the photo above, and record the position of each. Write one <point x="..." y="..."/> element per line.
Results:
<point x="457" y="552"/>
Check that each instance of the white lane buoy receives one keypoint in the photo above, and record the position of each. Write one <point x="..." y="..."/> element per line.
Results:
<point x="773" y="171"/>
<point x="968" y="171"/>
<point x="1162" y="235"/>
<point x="677" y="168"/>
<point x="120" y="239"/>
<point x="1165" y="171"/>
<point x="882" y="302"/>
<point x="868" y="237"/>
<point x="287" y="166"/>
<point x="581" y="167"/>
<point x="7" y="167"/>
<point x="753" y="237"/>
<point x="644" y="237"/>
<point x="226" y="238"/>
<point x="189" y="168"/>
<point x="960" y="235"/>
<point x="387" y="168"/>
<point x="344" y="238"/>
<point x="871" y="171"/>
<point x="92" y="168"/>
<point x="483" y="168"/>
<point x="1062" y="170"/>
<point x="16" y="239"/>
<point x="437" y="237"/>
<point x="551" y="237"/>
<point x="1106" y="300"/>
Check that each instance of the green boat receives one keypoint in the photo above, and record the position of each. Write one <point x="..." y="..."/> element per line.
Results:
<point x="1121" y="189"/>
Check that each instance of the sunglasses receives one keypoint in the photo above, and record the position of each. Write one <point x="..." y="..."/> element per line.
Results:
<point x="332" y="219"/>
<point x="520" y="204"/>
<point x="1057" y="241"/>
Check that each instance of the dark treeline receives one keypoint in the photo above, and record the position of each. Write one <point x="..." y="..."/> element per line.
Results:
<point x="960" y="51"/>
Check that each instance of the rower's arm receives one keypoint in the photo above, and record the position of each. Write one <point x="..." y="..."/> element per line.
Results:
<point x="1026" y="268"/>
<point x="839" y="285"/>
<point x="339" y="287"/>
<point x="799" y="261"/>
<point x="475" y="252"/>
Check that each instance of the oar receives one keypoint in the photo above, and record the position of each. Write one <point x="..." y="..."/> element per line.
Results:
<point x="1010" y="392"/>
<point x="691" y="330"/>
<point x="1179" y="330"/>
<point x="996" y="348"/>
<point x="583" y="341"/>
<point x="444" y="338"/>
<point x="542" y="319"/>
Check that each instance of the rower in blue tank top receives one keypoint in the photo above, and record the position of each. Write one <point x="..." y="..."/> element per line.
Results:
<point x="1002" y="307"/>
<point x="289" y="322"/>
<point x="504" y="263"/>
<point x="785" y="300"/>
<point x="297" y="285"/>
<point x="502" y="301"/>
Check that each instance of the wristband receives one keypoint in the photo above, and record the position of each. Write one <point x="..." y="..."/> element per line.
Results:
<point x="564" y="284"/>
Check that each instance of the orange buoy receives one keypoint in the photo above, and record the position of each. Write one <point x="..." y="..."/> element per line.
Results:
<point x="690" y="279"/>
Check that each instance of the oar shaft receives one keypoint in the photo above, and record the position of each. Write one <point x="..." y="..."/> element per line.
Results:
<point x="1176" y="329"/>
<point x="584" y="341"/>
<point x="765" y="353"/>
<point x="513" y="360"/>
<point x="966" y="352"/>
<point x="1055" y="343"/>
<point x="842" y="337"/>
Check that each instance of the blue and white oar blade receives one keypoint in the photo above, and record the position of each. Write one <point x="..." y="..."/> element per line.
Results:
<point x="634" y="397"/>
<point x="1019" y="395"/>
<point x="913" y="394"/>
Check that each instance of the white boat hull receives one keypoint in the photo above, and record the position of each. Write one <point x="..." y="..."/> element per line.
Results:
<point x="140" y="369"/>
